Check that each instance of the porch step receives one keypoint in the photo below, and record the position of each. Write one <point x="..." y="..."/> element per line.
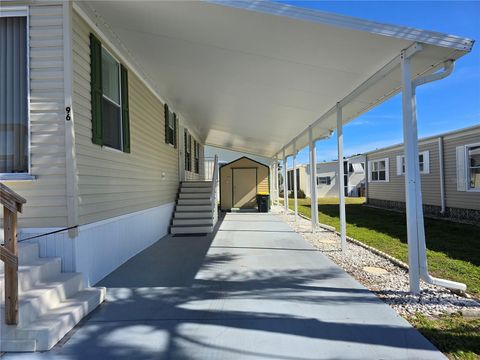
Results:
<point x="195" y="195"/>
<point x="50" y="328"/>
<point x="188" y="229"/>
<point x="194" y="202"/>
<point x="181" y="207"/>
<point x="50" y="304"/>
<point x="193" y="221"/>
<point x="32" y="273"/>
<point x="196" y="184"/>
<point x="193" y="214"/>
<point x="194" y="210"/>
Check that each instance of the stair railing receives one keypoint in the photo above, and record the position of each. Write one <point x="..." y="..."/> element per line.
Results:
<point x="213" y="193"/>
<point x="12" y="204"/>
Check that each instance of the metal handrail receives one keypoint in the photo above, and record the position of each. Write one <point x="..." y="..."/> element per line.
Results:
<point x="213" y="193"/>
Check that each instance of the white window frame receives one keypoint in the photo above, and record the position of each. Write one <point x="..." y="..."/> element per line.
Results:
<point x="113" y="102"/>
<point x="467" y="168"/>
<point x="319" y="182"/>
<point x="426" y="163"/>
<point x="22" y="11"/>
<point x="387" y="170"/>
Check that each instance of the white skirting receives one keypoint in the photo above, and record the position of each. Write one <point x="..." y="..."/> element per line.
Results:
<point x="101" y="247"/>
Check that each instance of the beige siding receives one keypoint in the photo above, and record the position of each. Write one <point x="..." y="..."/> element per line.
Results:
<point x="394" y="190"/>
<point x="46" y="196"/>
<point x="112" y="183"/>
<point x="454" y="198"/>
<point x="226" y="180"/>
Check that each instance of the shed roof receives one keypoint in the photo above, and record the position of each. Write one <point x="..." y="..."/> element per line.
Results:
<point x="252" y="76"/>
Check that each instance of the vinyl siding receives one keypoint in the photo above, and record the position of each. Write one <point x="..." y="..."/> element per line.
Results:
<point x="112" y="183"/>
<point x="394" y="190"/>
<point x="454" y="198"/>
<point x="46" y="196"/>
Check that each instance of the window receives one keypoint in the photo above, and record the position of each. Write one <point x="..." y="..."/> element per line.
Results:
<point x="187" y="139"/>
<point x="324" y="180"/>
<point x="14" y="129"/>
<point x="378" y="170"/>
<point x="423" y="162"/>
<point x="111" y="104"/>
<point x="196" y="156"/>
<point x="291" y="180"/>
<point x="473" y="170"/>
<point x="110" y="113"/>
<point x="170" y="127"/>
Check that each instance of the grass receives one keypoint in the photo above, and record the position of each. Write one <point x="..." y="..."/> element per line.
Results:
<point x="453" y="248"/>
<point x="453" y="252"/>
<point x="459" y="338"/>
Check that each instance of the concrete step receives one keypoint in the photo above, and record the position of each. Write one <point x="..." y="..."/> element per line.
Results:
<point x="191" y="229"/>
<point x="197" y="184"/>
<point x="40" y="270"/>
<point x="193" y="214"/>
<point x="181" y="207"/>
<point x="27" y="252"/>
<point x="195" y="190"/>
<point x="195" y="195"/>
<point x="44" y="296"/>
<point x="50" y="328"/>
<point x="194" y="202"/>
<point x="193" y="221"/>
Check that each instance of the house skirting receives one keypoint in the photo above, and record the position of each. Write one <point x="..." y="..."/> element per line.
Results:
<point x="98" y="248"/>
<point x="464" y="215"/>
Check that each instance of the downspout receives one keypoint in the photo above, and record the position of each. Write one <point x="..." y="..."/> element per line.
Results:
<point x="442" y="174"/>
<point x="422" y="251"/>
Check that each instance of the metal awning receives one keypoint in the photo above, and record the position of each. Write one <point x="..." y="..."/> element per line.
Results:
<point x="252" y="76"/>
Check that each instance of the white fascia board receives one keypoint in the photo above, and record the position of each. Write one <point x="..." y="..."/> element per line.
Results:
<point x="97" y="23"/>
<point x="352" y="23"/>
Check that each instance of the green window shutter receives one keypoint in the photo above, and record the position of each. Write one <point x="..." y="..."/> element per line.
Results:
<point x="125" y="109"/>
<point x="96" y="88"/>
<point x="166" y="116"/>
<point x="175" y="121"/>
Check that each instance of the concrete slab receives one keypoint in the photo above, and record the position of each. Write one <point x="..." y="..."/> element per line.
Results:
<point x="253" y="290"/>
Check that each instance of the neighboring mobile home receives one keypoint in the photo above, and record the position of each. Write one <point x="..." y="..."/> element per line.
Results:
<point x="449" y="171"/>
<point x="327" y="172"/>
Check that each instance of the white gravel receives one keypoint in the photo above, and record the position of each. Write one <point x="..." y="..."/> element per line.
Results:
<point x="392" y="287"/>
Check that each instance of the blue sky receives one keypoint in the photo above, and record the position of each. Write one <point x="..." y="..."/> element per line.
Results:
<point x="449" y="104"/>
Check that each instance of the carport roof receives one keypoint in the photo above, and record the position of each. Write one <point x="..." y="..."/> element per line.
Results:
<point x="252" y="76"/>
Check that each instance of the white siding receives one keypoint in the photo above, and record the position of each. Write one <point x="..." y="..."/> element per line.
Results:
<point x="112" y="183"/>
<point x="46" y="196"/>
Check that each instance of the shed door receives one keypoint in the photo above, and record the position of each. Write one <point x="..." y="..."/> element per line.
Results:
<point x="244" y="188"/>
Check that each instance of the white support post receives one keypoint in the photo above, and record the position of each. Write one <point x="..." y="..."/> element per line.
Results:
<point x="412" y="175"/>
<point x="295" y="183"/>
<point x="313" y="181"/>
<point x="315" y="189"/>
<point x="285" y="182"/>
<point x="340" y="180"/>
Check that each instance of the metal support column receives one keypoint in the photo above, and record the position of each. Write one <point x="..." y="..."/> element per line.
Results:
<point x="341" y="179"/>
<point x="412" y="176"/>
<point x="295" y="182"/>
<point x="313" y="180"/>
<point x="285" y="182"/>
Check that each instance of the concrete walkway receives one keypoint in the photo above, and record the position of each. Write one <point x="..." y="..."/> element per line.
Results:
<point x="253" y="290"/>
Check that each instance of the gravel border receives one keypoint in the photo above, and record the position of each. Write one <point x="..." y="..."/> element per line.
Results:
<point x="393" y="286"/>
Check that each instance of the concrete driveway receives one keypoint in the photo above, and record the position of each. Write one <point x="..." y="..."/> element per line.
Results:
<point x="253" y="290"/>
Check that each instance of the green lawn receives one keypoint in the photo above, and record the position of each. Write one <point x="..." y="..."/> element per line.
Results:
<point x="453" y="252"/>
<point x="453" y="249"/>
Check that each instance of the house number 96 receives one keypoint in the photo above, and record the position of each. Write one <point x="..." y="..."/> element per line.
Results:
<point x="67" y="110"/>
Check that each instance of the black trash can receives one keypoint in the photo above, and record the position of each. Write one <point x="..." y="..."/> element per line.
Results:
<point x="263" y="202"/>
